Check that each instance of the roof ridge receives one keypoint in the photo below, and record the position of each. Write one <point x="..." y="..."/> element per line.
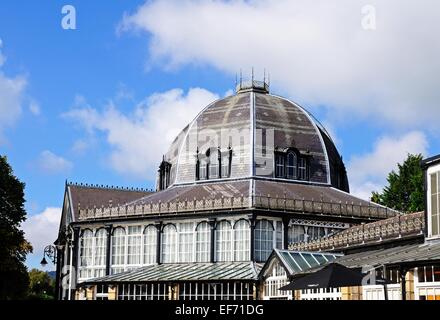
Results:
<point x="107" y="187"/>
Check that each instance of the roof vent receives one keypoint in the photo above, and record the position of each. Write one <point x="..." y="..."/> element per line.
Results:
<point x="252" y="84"/>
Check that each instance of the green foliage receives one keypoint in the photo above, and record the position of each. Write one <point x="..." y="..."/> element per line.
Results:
<point x="404" y="191"/>
<point x="14" y="278"/>
<point x="41" y="285"/>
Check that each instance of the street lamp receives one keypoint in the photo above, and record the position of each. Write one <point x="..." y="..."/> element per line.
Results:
<point x="50" y="251"/>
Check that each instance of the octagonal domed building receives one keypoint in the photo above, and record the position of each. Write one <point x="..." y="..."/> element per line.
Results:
<point x="253" y="134"/>
<point x="252" y="172"/>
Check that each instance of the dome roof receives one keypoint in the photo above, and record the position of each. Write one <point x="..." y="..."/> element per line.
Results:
<point x="254" y="125"/>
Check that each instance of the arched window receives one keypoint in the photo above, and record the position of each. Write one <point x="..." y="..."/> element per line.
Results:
<point x="296" y="233"/>
<point x="118" y="250"/>
<point x="150" y="244"/>
<point x="169" y="240"/>
<point x="186" y="241"/>
<point x="242" y="237"/>
<point x="279" y="165"/>
<point x="100" y="252"/>
<point x="86" y="254"/>
<point x="226" y="158"/>
<point x="213" y="170"/>
<point x="263" y="240"/>
<point x="223" y="235"/>
<point x="87" y="248"/>
<point x="291" y="165"/>
<point x="203" y="242"/>
<point x="134" y="245"/>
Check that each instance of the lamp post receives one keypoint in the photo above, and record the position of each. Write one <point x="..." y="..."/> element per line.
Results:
<point x="50" y="252"/>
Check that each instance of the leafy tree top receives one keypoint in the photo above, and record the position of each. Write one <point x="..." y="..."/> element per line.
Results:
<point x="404" y="190"/>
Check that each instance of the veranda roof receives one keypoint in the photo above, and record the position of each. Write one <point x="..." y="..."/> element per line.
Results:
<point x="219" y="271"/>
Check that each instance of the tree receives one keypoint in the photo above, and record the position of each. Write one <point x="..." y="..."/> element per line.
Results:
<point x="14" y="279"/>
<point x="404" y="191"/>
<point x="41" y="285"/>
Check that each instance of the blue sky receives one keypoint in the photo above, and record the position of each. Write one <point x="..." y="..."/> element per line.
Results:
<point x="86" y="99"/>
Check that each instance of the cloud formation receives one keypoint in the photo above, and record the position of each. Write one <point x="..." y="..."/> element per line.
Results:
<point x="368" y="172"/>
<point x="11" y="96"/>
<point x="50" y="163"/>
<point x="41" y="230"/>
<point x="139" y="139"/>
<point x="317" y="51"/>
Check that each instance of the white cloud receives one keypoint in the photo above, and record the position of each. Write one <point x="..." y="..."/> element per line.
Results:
<point x="368" y="172"/>
<point x="34" y="108"/>
<point x="139" y="139"/>
<point x="41" y="230"/>
<point x="316" y="51"/>
<point x="11" y="95"/>
<point x="50" y="163"/>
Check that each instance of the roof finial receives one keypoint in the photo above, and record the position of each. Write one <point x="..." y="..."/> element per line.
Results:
<point x="264" y="75"/>
<point x="252" y="75"/>
<point x="241" y="78"/>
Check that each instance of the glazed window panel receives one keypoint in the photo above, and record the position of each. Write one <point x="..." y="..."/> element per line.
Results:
<point x="134" y="245"/>
<point x="302" y="169"/>
<point x="296" y="233"/>
<point x="118" y="247"/>
<point x="100" y="252"/>
<point x="279" y="166"/>
<point x="264" y="241"/>
<point x="150" y="244"/>
<point x="213" y="164"/>
<point x="279" y="235"/>
<point x="169" y="245"/>
<point x="225" y="166"/>
<point x="223" y="241"/>
<point x="435" y="208"/>
<point x="186" y="235"/>
<point x="203" y="242"/>
<point x="242" y="237"/>
<point x="291" y="165"/>
<point x="86" y="252"/>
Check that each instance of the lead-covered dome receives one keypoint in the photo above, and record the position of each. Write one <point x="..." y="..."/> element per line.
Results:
<point x="253" y="134"/>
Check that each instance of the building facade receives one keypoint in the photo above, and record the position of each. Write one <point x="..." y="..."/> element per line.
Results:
<point x="253" y="172"/>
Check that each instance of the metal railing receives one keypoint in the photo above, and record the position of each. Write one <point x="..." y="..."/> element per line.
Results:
<point x="392" y="228"/>
<point x="234" y="203"/>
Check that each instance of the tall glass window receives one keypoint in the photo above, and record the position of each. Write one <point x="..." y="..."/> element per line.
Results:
<point x="186" y="242"/>
<point x="134" y="245"/>
<point x="169" y="239"/>
<point x="150" y="243"/>
<point x="213" y="163"/>
<point x="203" y="169"/>
<point x="242" y="237"/>
<point x="223" y="241"/>
<point x="435" y="208"/>
<point x="279" y="165"/>
<point x="100" y="252"/>
<point x="315" y="233"/>
<point x="279" y="235"/>
<point x="118" y="248"/>
<point x="291" y="165"/>
<point x="225" y="165"/>
<point x="87" y="248"/>
<point x="297" y="233"/>
<point x="264" y="241"/>
<point x="203" y="242"/>
<point x="302" y="169"/>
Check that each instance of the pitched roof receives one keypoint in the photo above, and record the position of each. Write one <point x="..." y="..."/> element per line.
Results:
<point x="296" y="262"/>
<point x="83" y="196"/>
<point x="396" y="228"/>
<point x="245" y="194"/>
<point x="411" y="254"/>
<point x="186" y="272"/>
